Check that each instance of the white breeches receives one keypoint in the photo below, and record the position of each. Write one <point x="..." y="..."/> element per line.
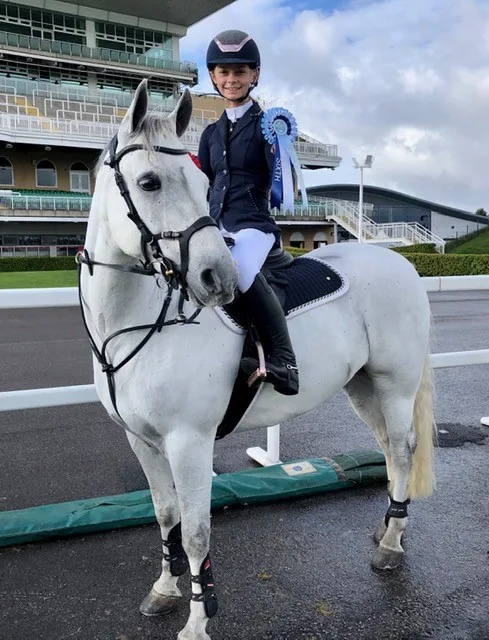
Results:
<point x="250" y="250"/>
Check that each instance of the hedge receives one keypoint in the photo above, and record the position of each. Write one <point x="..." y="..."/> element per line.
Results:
<point x="37" y="264"/>
<point x="66" y="263"/>
<point x="417" y="248"/>
<point x="455" y="264"/>
<point x="295" y="251"/>
<point x="427" y="264"/>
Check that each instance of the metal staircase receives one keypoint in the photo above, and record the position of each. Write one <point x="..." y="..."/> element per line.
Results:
<point x="345" y="213"/>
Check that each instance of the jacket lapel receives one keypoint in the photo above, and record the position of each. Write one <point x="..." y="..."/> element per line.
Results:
<point x="250" y="116"/>
<point x="222" y="128"/>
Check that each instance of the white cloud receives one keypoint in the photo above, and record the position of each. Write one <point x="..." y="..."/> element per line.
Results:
<point x="407" y="80"/>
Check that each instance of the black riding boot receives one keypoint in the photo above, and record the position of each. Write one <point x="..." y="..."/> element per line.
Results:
<point x="268" y="316"/>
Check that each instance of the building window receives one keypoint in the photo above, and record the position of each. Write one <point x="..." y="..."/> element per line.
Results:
<point x="134" y="40"/>
<point x="79" y="177"/>
<point x="297" y="240"/>
<point x="6" y="173"/>
<point x="46" y="174"/>
<point x="41" y="24"/>
<point x="320" y="239"/>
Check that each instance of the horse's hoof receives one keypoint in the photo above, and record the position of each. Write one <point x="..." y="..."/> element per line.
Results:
<point x="156" y="604"/>
<point x="387" y="559"/>
<point x="380" y="533"/>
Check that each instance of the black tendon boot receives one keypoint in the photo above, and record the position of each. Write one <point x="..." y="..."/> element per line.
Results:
<point x="267" y="314"/>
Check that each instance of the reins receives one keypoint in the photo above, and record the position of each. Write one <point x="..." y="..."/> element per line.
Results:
<point x="158" y="266"/>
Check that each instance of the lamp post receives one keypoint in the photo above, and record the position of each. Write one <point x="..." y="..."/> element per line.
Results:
<point x="367" y="164"/>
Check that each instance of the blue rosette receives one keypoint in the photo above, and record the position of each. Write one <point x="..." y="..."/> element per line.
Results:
<point x="280" y="130"/>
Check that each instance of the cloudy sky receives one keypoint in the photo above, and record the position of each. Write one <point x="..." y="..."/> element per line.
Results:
<point x="406" y="80"/>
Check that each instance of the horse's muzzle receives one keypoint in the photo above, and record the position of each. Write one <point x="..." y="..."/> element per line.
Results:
<point x="213" y="287"/>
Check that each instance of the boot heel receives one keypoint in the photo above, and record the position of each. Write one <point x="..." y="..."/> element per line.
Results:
<point x="291" y="387"/>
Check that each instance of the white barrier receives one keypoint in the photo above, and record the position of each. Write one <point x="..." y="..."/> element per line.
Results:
<point x="50" y="397"/>
<point x="81" y="394"/>
<point x="35" y="298"/>
<point x="456" y="283"/>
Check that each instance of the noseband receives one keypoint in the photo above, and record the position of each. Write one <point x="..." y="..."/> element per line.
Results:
<point x="175" y="277"/>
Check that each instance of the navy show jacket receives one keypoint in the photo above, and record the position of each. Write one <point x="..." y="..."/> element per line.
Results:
<point x="239" y="166"/>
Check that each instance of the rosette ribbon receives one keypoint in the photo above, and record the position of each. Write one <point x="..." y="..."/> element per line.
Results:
<point x="280" y="130"/>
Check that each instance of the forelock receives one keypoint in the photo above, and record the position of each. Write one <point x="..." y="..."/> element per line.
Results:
<point x="150" y="132"/>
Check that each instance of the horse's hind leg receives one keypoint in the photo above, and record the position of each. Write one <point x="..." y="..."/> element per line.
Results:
<point x="165" y="595"/>
<point x="363" y="399"/>
<point x="390" y="419"/>
<point x="397" y="406"/>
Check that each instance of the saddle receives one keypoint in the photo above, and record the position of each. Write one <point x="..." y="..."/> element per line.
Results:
<point x="299" y="284"/>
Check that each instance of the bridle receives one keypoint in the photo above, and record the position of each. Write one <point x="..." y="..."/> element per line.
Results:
<point x="155" y="264"/>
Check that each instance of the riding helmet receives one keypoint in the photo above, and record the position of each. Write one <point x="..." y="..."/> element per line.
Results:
<point x="233" y="46"/>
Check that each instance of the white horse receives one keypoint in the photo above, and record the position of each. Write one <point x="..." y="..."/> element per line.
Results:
<point x="172" y="393"/>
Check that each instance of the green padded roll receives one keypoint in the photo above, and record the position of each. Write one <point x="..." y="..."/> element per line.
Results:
<point x="254" y="486"/>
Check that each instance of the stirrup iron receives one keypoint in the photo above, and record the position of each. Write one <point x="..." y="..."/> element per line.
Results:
<point x="260" y="374"/>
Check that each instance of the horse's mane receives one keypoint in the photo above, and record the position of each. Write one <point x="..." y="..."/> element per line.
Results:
<point x="151" y="127"/>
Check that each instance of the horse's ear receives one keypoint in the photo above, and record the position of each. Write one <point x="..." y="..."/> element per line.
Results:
<point x="137" y="110"/>
<point x="182" y="113"/>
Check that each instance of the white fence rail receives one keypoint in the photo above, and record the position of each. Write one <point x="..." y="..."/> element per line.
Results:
<point x="82" y="394"/>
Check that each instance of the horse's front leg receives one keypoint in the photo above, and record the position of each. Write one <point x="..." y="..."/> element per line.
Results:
<point x="165" y="594"/>
<point x="190" y="455"/>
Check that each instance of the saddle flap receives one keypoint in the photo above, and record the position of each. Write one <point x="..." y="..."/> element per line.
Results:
<point x="278" y="258"/>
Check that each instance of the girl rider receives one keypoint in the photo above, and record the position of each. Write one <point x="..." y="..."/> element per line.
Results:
<point x="238" y="161"/>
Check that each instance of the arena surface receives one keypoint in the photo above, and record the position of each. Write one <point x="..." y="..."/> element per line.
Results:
<point x="292" y="571"/>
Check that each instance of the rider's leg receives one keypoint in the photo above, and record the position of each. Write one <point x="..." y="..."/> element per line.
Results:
<point x="267" y="313"/>
<point x="250" y="251"/>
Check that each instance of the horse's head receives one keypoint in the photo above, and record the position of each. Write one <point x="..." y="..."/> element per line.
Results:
<point x="156" y="203"/>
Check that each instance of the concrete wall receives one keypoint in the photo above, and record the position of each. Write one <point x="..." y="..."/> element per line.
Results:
<point x="15" y="228"/>
<point x="308" y="231"/>
<point x="210" y="105"/>
<point x="447" y="227"/>
<point x="25" y="157"/>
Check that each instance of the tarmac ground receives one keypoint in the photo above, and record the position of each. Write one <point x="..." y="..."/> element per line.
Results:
<point x="298" y="570"/>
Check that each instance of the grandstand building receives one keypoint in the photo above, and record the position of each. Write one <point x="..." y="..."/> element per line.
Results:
<point x="68" y="71"/>
<point x="388" y="207"/>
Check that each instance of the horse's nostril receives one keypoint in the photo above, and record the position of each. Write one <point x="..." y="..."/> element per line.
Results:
<point x="209" y="279"/>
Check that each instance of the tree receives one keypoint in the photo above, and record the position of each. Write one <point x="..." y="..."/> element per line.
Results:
<point x="481" y="212"/>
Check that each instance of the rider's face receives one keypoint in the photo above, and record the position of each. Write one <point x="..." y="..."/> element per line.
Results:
<point x="233" y="80"/>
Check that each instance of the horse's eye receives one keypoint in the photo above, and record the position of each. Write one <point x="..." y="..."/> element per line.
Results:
<point x="149" y="182"/>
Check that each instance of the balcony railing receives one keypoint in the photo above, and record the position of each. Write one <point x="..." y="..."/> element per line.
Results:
<point x="98" y="134"/>
<point x="344" y="212"/>
<point x="38" y="251"/>
<point x="34" y="89"/>
<point x="98" y="54"/>
<point x="19" y="204"/>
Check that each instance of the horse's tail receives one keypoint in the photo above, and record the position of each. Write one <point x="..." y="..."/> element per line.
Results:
<point x="422" y="478"/>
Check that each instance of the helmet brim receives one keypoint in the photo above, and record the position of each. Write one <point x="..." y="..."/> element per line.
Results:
<point x="221" y="61"/>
